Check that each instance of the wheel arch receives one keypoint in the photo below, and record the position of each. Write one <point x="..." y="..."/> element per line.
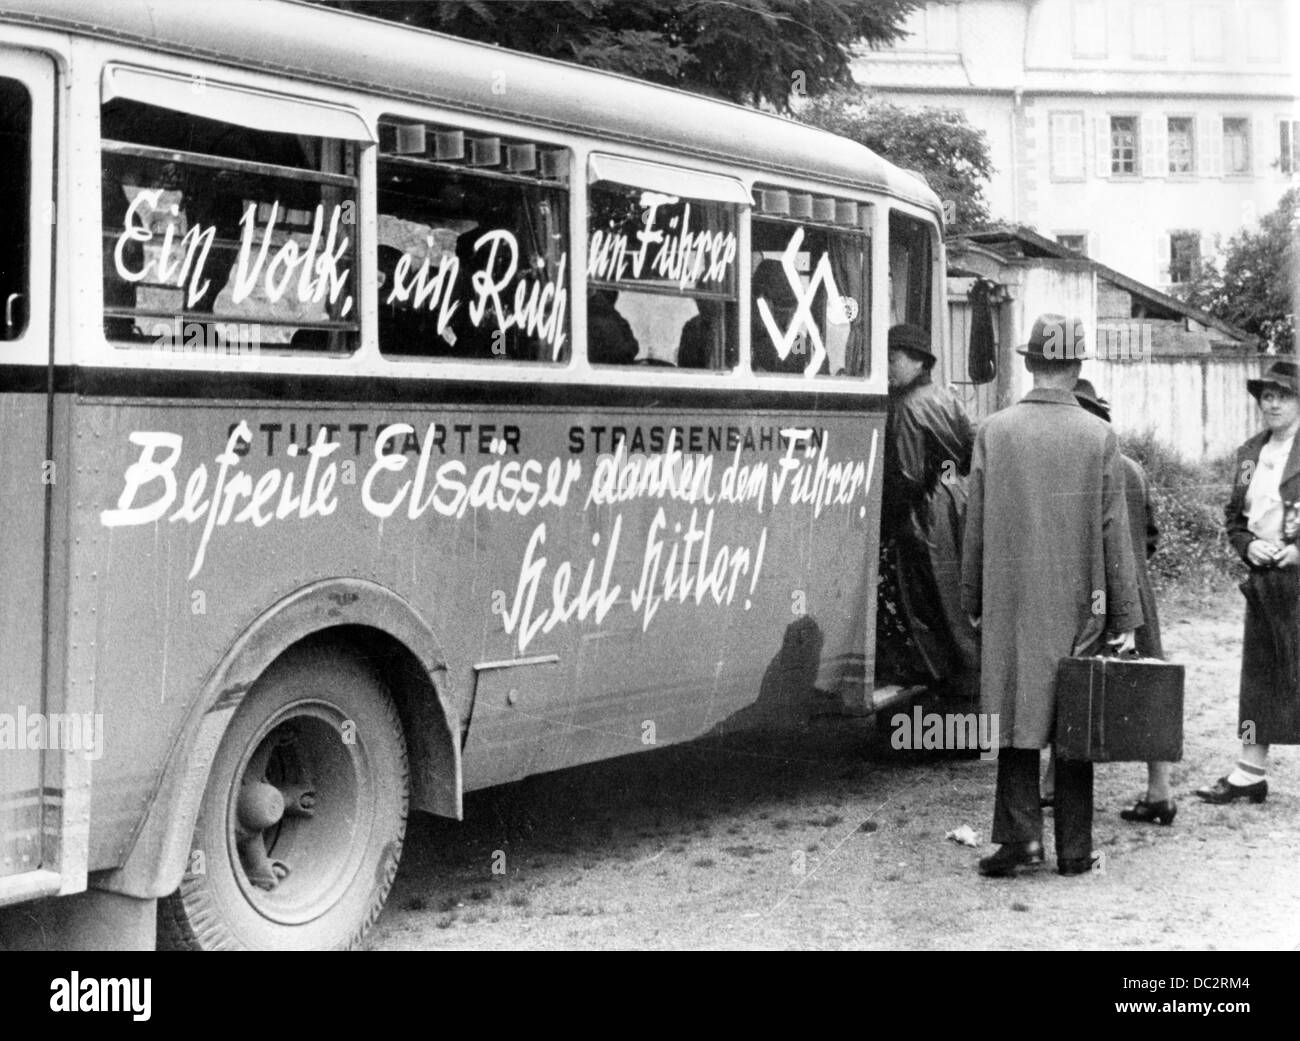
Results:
<point x="364" y="619"/>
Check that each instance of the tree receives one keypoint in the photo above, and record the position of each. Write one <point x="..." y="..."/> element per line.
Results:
<point x="748" y="51"/>
<point x="1254" y="283"/>
<point x="937" y="143"/>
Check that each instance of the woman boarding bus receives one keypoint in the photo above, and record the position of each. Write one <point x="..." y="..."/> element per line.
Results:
<point x="388" y="416"/>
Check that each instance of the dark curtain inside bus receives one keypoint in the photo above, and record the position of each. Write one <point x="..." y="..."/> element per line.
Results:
<point x="909" y="271"/>
<point x="471" y="266"/>
<point x="849" y="266"/>
<point x="661" y="271"/>
<point x="224" y="235"/>
<point x="15" y="171"/>
<point x="844" y="331"/>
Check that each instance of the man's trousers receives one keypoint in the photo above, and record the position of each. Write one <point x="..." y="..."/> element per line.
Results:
<point x="1017" y="815"/>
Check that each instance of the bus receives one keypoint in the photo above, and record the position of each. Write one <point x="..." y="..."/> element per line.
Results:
<point x="384" y="417"/>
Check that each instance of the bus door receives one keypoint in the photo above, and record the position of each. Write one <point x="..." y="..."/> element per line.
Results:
<point x="28" y="866"/>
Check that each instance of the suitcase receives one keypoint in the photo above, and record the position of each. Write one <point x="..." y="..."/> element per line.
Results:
<point x="1117" y="710"/>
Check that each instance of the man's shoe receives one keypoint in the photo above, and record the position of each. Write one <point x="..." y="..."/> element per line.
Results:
<point x="1221" y="791"/>
<point x="1011" y="858"/>
<point x="1076" y="865"/>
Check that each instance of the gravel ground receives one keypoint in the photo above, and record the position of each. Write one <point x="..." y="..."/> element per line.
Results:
<point x="831" y="839"/>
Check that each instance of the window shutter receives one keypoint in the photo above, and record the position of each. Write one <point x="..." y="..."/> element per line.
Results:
<point x="1093" y="241"/>
<point x="1162" y="258"/>
<point x="1150" y="157"/>
<point x="1262" y="156"/>
<point x="1101" y="134"/>
<point x="1286" y="146"/>
<point x="1209" y="132"/>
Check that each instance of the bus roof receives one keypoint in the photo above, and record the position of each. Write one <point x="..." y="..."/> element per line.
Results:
<point x="360" y="52"/>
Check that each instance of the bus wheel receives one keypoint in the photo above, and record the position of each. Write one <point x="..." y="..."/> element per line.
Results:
<point x="301" y="825"/>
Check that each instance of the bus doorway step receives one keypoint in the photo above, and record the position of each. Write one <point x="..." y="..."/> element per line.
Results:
<point x="895" y="696"/>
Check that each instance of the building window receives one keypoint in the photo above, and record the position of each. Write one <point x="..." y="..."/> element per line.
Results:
<point x="1184" y="255"/>
<point x="1089" y="28"/>
<point x="1123" y="145"/>
<point x="1236" y="146"/>
<point x="1207" y="32"/>
<point x="1182" y="145"/>
<point x="1067" y="146"/>
<point x="1263" y="34"/>
<point x="930" y="28"/>
<point x="1289" y="146"/>
<point x="1148" y="30"/>
<point x="1077" y="243"/>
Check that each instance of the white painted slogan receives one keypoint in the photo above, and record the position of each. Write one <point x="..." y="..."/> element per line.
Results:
<point x="674" y="253"/>
<point x="681" y="561"/>
<point x="311" y="273"/>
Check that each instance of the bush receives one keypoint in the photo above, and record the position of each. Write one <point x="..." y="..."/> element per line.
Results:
<point x="1193" y="554"/>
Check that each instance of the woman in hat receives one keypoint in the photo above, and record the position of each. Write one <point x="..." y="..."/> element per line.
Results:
<point x="1263" y="521"/>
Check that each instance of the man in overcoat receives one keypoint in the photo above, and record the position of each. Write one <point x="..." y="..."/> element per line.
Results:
<point x="928" y="440"/>
<point x="1047" y="571"/>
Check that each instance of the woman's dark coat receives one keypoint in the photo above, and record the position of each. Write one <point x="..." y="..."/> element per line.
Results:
<point x="1269" y="703"/>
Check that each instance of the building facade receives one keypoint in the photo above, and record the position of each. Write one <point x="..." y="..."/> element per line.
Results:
<point x="1142" y="133"/>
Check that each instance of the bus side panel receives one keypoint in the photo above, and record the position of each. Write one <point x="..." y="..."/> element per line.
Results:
<point x="24" y="722"/>
<point x="514" y="534"/>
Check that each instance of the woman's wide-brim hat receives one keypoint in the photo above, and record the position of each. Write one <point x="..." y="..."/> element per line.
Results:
<point x="913" y="339"/>
<point x="1086" y="395"/>
<point x="1282" y="375"/>
<point x="1056" y="338"/>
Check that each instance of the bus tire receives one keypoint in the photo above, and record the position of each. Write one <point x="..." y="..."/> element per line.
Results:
<point x="300" y="829"/>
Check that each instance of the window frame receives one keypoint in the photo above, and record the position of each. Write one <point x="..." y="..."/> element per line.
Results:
<point x="1156" y="10"/>
<point x="1081" y="235"/>
<point x="1247" y="137"/>
<point x="1193" y="154"/>
<point x="657" y="177"/>
<point x="357" y="140"/>
<point x="1066" y="178"/>
<point x="1288" y="146"/>
<point x="1097" y="13"/>
<point x="1174" y="237"/>
<point x="1134" y="174"/>
<point x="1216" y="32"/>
<point x="864" y="230"/>
<point x="563" y="185"/>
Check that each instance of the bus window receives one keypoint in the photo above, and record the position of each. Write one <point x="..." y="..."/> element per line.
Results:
<point x="15" y="189"/>
<point x="809" y="277"/>
<point x="224" y="235"/>
<point x="472" y="245"/>
<point x="910" y="270"/>
<point x="661" y="273"/>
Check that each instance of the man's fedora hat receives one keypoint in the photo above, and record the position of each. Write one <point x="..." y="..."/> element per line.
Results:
<point x="913" y="339"/>
<point x="1056" y="338"/>
<point x="1086" y="395"/>
<point x="1281" y="374"/>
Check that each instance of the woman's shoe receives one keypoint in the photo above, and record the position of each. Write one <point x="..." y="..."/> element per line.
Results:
<point x="1148" y="812"/>
<point x="1221" y="791"/>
